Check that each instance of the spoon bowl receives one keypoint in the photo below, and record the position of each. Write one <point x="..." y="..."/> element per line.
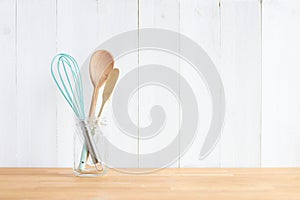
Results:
<point x="101" y="64"/>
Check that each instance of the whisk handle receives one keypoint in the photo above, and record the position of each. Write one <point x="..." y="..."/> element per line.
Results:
<point x="83" y="157"/>
<point x="89" y="143"/>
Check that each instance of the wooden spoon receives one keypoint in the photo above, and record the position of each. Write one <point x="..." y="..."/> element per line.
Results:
<point x="109" y="87"/>
<point x="101" y="64"/>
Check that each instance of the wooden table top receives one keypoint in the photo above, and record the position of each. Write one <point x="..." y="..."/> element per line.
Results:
<point x="221" y="184"/>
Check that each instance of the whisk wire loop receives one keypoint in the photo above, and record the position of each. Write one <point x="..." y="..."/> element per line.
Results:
<point x="66" y="74"/>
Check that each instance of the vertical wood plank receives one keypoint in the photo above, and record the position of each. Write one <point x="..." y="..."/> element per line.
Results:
<point x="82" y="27"/>
<point x="77" y="35"/>
<point x="241" y="74"/>
<point x="164" y="15"/>
<point x="36" y="130"/>
<point x="8" y="84"/>
<point x="281" y="85"/>
<point x="200" y="21"/>
<point x="117" y="17"/>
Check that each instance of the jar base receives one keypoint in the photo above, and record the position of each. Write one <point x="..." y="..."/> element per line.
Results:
<point x="90" y="172"/>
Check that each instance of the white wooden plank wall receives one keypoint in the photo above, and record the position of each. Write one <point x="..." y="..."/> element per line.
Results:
<point x="8" y="82"/>
<point x="35" y="139"/>
<point x="75" y="19"/>
<point x="281" y="83"/>
<point x="254" y="46"/>
<point x="200" y="21"/>
<point x="115" y="17"/>
<point x="240" y="69"/>
<point x="162" y="14"/>
<point x="82" y="26"/>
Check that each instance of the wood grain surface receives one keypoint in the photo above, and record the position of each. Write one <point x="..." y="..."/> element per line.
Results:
<point x="60" y="183"/>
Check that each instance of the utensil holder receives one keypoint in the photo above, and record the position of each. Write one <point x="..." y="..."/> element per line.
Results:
<point x="90" y="152"/>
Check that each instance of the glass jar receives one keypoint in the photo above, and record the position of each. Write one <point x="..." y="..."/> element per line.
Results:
<point x="90" y="153"/>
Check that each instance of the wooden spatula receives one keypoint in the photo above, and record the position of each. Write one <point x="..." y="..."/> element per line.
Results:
<point x="109" y="87"/>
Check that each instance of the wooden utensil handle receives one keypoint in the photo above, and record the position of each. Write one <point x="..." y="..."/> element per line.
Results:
<point x="94" y="103"/>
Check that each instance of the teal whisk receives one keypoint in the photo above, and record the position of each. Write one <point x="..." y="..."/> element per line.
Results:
<point x="66" y="74"/>
<point x="68" y="80"/>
